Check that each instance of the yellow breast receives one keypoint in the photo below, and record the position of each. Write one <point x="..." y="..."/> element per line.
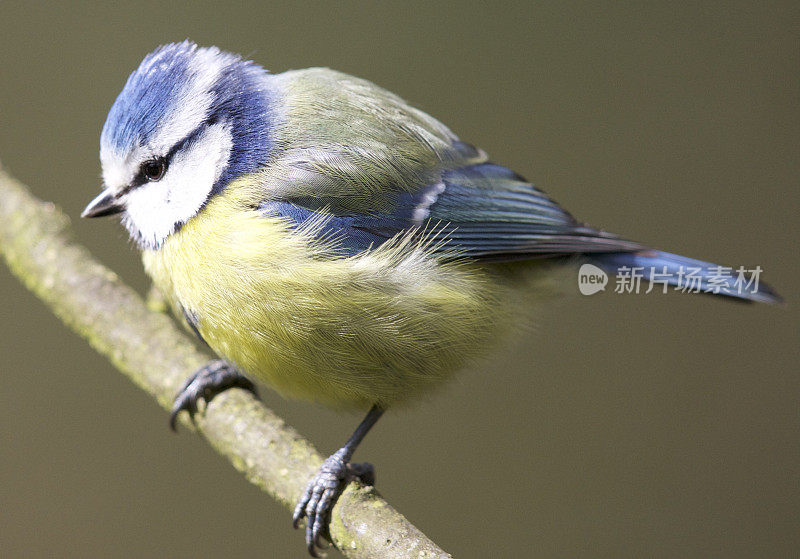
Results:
<point x="350" y="332"/>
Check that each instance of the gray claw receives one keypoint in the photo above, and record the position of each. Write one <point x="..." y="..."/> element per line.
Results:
<point x="214" y="378"/>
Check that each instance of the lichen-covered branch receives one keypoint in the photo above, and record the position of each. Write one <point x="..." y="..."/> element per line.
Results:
<point x="147" y="346"/>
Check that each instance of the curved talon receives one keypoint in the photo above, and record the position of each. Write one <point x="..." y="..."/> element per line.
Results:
<point x="297" y="516"/>
<point x="214" y="378"/>
<point x="182" y="402"/>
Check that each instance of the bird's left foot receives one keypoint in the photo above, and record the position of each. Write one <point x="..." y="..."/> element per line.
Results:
<point x="213" y="379"/>
<point x="317" y="500"/>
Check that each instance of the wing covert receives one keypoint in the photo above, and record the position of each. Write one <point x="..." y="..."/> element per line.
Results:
<point x="482" y="211"/>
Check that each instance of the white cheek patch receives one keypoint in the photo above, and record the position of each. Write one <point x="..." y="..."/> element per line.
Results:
<point x="156" y="209"/>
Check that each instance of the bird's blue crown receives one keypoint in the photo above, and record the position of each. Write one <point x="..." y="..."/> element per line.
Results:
<point x="236" y="91"/>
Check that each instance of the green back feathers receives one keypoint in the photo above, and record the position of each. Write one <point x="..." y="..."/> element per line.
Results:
<point x="353" y="144"/>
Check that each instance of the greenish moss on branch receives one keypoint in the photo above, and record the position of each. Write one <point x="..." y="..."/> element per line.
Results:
<point x="147" y="346"/>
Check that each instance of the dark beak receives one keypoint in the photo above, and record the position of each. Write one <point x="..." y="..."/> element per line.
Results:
<point x="107" y="203"/>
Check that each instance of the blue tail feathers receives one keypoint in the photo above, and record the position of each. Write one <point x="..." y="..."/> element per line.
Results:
<point x="663" y="269"/>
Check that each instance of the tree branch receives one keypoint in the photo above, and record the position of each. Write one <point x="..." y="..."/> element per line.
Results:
<point x="36" y="242"/>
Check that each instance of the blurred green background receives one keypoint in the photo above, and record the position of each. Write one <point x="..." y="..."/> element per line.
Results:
<point x="623" y="426"/>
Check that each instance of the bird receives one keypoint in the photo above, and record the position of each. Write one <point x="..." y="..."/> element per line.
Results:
<point x="322" y="236"/>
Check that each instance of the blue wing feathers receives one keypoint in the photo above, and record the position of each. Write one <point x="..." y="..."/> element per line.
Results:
<point x="483" y="211"/>
<point x="352" y="234"/>
<point x="491" y="211"/>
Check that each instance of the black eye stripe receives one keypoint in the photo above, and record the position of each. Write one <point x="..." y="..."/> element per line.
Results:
<point x="187" y="140"/>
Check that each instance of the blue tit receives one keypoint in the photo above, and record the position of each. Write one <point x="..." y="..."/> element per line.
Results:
<point x="324" y="237"/>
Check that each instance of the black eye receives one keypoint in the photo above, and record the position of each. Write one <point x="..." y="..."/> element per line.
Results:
<point x="154" y="169"/>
